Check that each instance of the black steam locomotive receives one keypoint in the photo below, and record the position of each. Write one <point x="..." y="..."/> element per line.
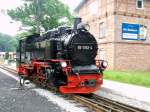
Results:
<point x="62" y="58"/>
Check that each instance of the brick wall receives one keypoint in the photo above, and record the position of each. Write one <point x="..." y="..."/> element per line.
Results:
<point x="131" y="54"/>
<point x="104" y="14"/>
<point x="107" y="54"/>
<point x="128" y="7"/>
<point x="132" y="57"/>
<point x="121" y="54"/>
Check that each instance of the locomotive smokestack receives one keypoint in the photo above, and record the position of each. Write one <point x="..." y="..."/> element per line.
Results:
<point x="77" y="20"/>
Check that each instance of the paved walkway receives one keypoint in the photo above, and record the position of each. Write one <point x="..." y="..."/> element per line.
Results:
<point x="133" y="91"/>
<point x="129" y="94"/>
<point x="32" y="98"/>
<point x="14" y="100"/>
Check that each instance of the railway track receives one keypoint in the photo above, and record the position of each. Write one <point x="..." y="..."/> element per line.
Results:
<point x="95" y="102"/>
<point x="8" y="69"/>
<point x="101" y="104"/>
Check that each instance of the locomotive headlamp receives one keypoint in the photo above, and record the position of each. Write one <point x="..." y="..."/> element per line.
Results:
<point x="63" y="64"/>
<point x="104" y="64"/>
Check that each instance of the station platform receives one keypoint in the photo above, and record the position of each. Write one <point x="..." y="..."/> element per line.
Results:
<point x="133" y="95"/>
<point x="126" y="93"/>
<point x="15" y="99"/>
<point x="31" y="98"/>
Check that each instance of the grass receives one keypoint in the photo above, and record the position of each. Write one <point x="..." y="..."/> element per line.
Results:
<point x="136" y="78"/>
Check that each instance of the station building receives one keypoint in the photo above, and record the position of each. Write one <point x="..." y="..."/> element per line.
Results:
<point x="2" y="55"/>
<point x="11" y="55"/>
<point x="122" y="29"/>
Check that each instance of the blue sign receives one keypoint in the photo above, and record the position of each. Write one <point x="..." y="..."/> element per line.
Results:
<point x="134" y="31"/>
<point x="130" y="31"/>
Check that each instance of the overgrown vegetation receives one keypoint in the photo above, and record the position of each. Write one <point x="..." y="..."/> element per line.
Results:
<point x="7" y="43"/>
<point x="137" y="78"/>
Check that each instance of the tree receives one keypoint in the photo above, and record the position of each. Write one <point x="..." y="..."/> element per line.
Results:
<point x="41" y="14"/>
<point x="7" y="43"/>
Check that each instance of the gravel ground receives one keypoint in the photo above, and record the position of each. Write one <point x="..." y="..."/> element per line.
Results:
<point x="13" y="99"/>
<point x="32" y="98"/>
<point x="125" y="93"/>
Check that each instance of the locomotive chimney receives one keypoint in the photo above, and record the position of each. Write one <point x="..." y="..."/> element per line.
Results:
<point x="77" y="20"/>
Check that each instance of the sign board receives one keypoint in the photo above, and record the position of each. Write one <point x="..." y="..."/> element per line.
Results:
<point x="134" y="31"/>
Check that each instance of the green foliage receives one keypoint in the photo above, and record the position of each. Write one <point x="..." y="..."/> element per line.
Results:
<point x="22" y="35"/>
<point x="131" y="77"/>
<point x="41" y="13"/>
<point x="7" y="43"/>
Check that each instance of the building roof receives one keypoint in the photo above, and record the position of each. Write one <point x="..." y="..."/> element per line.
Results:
<point x="80" y="5"/>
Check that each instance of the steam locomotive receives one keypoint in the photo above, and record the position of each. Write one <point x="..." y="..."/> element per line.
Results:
<point x="63" y="58"/>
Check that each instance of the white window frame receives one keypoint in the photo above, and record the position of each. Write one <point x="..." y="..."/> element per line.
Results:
<point x="102" y="54"/>
<point x="137" y="4"/>
<point x="102" y="30"/>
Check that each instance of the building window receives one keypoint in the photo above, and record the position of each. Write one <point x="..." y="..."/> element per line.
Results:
<point x="102" y="30"/>
<point x="139" y="4"/>
<point x="102" y="54"/>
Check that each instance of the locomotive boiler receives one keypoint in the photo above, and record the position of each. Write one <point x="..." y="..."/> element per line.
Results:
<point x="63" y="58"/>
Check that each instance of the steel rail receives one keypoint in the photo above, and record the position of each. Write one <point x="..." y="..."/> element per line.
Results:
<point x="116" y="104"/>
<point x="101" y="104"/>
<point x="8" y="69"/>
<point x="95" y="102"/>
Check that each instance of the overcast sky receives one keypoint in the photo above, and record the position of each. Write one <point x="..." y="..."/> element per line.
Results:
<point x="72" y="3"/>
<point x="6" y="25"/>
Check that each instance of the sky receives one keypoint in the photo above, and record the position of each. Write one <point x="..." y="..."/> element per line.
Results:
<point x="10" y="27"/>
<point x="71" y="3"/>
